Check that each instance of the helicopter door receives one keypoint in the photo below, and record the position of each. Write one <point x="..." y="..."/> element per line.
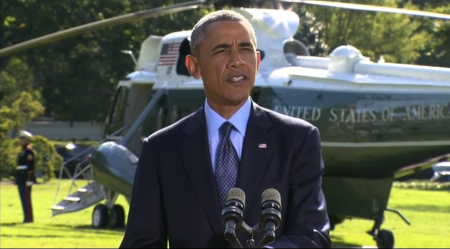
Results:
<point x="155" y="119"/>
<point x="116" y="117"/>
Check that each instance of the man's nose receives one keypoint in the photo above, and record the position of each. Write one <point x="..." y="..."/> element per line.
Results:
<point x="236" y="59"/>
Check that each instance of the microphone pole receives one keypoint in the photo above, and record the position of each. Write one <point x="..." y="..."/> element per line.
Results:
<point x="251" y="241"/>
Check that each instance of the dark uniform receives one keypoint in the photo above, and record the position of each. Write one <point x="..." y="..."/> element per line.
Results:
<point x="25" y="177"/>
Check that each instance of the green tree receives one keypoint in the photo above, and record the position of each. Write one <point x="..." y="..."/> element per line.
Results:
<point x="395" y="36"/>
<point x="78" y="75"/>
<point x="12" y="118"/>
<point x="436" y="51"/>
<point x="25" y="109"/>
<point x="15" y="78"/>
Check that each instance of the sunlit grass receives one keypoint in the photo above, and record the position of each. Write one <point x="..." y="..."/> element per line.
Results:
<point x="428" y="211"/>
<point x="64" y="231"/>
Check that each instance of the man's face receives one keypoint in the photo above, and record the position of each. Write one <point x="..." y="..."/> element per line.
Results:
<point x="23" y="141"/>
<point x="227" y="62"/>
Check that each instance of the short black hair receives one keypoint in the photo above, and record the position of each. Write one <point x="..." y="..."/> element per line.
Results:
<point x="220" y="15"/>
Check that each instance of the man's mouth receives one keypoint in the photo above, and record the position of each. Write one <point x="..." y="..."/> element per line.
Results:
<point x="236" y="79"/>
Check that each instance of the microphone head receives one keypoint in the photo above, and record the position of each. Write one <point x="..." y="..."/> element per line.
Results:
<point x="271" y="195"/>
<point x="236" y="194"/>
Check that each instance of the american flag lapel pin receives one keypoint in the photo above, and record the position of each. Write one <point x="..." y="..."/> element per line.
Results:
<point x="262" y="146"/>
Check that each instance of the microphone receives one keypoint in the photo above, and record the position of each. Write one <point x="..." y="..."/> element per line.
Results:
<point x="271" y="216"/>
<point x="232" y="215"/>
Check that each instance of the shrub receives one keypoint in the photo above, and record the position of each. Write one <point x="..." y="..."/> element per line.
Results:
<point x="47" y="160"/>
<point x="423" y="185"/>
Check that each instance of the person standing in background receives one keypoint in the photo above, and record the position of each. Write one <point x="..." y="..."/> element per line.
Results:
<point x="25" y="177"/>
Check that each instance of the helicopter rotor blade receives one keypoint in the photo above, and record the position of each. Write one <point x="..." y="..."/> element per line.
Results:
<point x="53" y="37"/>
<point x="355" y="6"/>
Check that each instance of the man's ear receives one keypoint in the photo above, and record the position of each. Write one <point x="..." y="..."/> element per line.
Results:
<point x="192" y="66"/>
<point x="258" y="60"/>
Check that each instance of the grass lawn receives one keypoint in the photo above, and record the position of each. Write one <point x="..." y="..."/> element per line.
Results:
<point x="428" y="211"/>
<point x="64" y="231"/>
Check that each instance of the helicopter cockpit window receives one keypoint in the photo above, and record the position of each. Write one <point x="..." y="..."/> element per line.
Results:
<point x="185" y="50"/>
<point x="294" y="48"/>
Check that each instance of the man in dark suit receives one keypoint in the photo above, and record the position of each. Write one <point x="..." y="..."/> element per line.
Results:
<point x="185" y="170"/>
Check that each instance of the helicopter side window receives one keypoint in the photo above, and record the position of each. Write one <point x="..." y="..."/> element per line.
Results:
<point x="185" y="50"/>
<point x="181" y="111"/>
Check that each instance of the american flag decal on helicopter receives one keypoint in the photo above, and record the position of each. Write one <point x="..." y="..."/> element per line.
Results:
<point x="169" y="54"/>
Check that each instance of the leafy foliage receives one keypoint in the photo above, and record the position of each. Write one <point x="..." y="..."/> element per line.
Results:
<point x="78" y="75"/>
<point x="423" y="185"/>
<point x="47" y="159"/>
<point x="8" y="157"/>
<point x="396" y="37"/>
<point x="26" y="108"/>
<point x="15" y="78"/>
<point x="436" y="51"/>
<point x="42" y="148"/>
<point x="14" y="117"/>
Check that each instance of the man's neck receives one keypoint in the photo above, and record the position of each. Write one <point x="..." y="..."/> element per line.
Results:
<point x="226" y="111"/>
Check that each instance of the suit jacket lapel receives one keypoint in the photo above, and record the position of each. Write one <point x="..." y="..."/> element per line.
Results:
<point x="257" y="149"/>
<point x="197" y="162"/>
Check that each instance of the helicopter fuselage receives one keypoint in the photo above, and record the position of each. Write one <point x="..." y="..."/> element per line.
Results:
<point x="367" y="136"/>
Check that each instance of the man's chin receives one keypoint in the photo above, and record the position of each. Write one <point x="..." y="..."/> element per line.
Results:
<point x="236" y="100"/>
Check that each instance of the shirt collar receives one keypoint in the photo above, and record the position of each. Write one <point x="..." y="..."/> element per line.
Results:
<point x="239" y="119"/>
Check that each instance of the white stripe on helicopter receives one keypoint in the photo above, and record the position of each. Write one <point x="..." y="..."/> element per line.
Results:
<point x="363" y="144"/>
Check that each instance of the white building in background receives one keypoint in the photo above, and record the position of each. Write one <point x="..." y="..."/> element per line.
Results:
<point x="63" y="130"/>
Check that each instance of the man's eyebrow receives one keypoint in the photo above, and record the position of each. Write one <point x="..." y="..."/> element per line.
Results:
<point x="245" y="44"/>
<point x="227" y="45"/>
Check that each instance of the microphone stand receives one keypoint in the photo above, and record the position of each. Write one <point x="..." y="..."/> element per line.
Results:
<point x="251" y="242"/>
<point x="230" y="235"/>
<point x="268" y="238"/>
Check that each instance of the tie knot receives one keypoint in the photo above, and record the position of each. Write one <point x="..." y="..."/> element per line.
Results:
<point x="226" y="129"/>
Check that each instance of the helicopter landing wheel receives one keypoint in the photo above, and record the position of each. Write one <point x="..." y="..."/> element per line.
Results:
<point x="100" y="216"/>
<point x="385" y="239"/>
<point x="117" y="217"/>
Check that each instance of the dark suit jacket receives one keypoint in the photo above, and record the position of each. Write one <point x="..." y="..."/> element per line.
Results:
<point x="174" y="195"/>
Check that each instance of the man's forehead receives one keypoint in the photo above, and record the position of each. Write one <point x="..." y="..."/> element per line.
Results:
<point x="218" y="32"/>
<point x="233" y="24"/>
